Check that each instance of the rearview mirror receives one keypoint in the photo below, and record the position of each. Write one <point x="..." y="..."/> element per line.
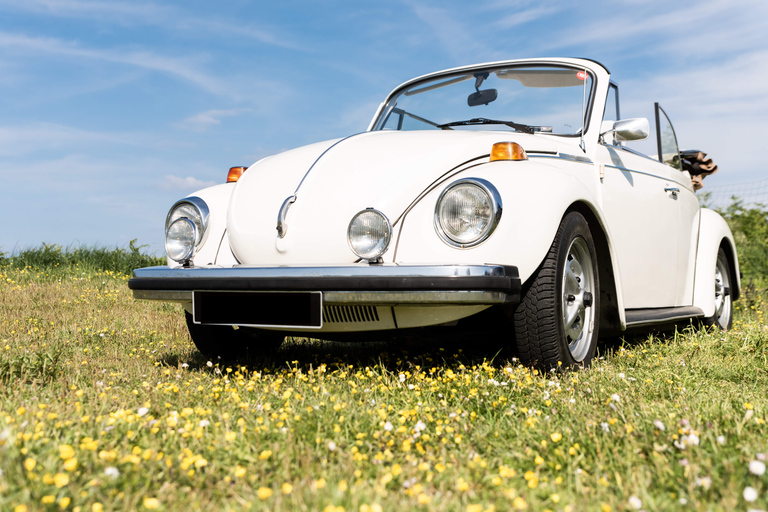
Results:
<point x="629" y="129"/>
<point x="482" y="97"/>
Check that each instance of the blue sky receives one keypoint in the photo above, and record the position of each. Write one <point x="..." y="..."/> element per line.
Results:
<point x="112" y="110"/>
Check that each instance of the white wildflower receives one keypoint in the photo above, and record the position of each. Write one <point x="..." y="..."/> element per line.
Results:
<point x="605" y="427"/>
<point x="184" y="365"/>
<point x="142" y="411"/>
<point x="615" y="398"/>
<point x="112" y="472"/>
<point x="635" y="502"/>
<point x="209" y="364"/>
<point x="388" y="426"/>
<point x="204" y="423"/>
<point x="401" y="377"/>
<point x="704" y="482"/>
<point x="621" y="376"/>
<point x="331" y="445"/>
<point x="720" y="439"/>
<point x="757" y="468"/>
<point x="420" y="426"/>
<point x="750" y="494"/>
<point x="659" y="425"/>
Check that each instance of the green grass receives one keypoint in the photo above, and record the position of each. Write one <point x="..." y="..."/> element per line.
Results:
<point x="105" y="404"/>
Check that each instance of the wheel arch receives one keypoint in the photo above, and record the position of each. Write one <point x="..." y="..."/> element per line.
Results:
<point x="714" y="234"/>
<point x="611" y="318"/>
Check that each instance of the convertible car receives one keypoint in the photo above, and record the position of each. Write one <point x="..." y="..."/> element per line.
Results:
<point x="496" y="199"/>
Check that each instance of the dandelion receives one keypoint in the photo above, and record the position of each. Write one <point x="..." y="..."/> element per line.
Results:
<point x="60" y="480"/>
<point x="287" y="488"/>
<point x="239" y="471"/>
<point x="151" y="503"/>
<point x="66" y="451"/>
<point x="30" y="464"/>
<point x="757" y="468"/>
<point x="264" y="493"/>
<point x="750" y="494"/>
<point x="71" y="464"/>
<point x="556" y="437"/>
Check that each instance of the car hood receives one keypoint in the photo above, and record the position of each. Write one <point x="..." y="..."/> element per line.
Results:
<point x="334" y="180"/>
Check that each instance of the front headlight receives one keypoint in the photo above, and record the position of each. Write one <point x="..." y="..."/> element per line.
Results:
<point x="368" y="234"/>
<point x="185" y="228"/>
<point x="467" y="212"/>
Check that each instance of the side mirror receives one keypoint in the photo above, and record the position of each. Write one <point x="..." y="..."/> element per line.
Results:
<point x="629" y="129"/>
<point x="482" y="97"/>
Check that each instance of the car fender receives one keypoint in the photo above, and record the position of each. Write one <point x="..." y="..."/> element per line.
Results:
<point x="217" y="199"/>
<point x="713" y="232"/>
<point x="535" y="196"/>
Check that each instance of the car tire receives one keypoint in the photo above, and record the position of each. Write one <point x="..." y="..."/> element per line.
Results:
<point x="222" y="342"/>
<point x="556" y="322"/>
<point x="723" y="317"/>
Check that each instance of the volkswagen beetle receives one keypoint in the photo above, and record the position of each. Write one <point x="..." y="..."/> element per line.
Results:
<point x="496" y="199"/>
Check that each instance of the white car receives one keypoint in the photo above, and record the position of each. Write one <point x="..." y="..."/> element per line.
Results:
<point x="496" y="199"/>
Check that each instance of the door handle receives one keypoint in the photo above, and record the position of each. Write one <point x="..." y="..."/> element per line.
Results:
<point x="673" y="190"/>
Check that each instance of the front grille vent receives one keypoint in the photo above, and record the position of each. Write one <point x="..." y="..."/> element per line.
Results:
<point x="349" y="314"/>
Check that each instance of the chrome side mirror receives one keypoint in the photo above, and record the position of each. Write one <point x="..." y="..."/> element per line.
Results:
<point x="628" y="129"/>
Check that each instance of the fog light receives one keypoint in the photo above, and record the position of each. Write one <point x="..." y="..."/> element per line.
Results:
<point x="368" y="234"/>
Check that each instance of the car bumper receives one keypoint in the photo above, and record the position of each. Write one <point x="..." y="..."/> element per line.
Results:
<point x="352" y="284"/>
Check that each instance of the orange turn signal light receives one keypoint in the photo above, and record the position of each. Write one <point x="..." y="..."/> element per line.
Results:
<point x="235" y="173"/>
<point x="508" y="151"/>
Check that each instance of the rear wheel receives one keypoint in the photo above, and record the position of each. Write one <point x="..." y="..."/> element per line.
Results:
<point x="556" y="320"/>
<point x="223" y="342"/>
<point x="723" y="317"/>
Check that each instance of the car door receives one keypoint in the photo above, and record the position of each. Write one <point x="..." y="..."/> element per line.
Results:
<point x="688" y="207"/>
<point x="641" y="203"/>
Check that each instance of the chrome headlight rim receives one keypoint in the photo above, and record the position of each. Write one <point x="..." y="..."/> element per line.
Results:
<point x="190" y="249"/>
<point x="496" y="205"/>
<point x="386" y="240"/>
<point x="202" y="210"/>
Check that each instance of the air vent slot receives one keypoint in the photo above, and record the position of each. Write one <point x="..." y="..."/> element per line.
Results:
<point x="349" y="314"/>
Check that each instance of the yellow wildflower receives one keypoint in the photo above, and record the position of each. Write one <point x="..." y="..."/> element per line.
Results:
<point x="556" y="437"/>
<point x="151" y="503"/>
<point x="49" y="499"/>
<point x="264" y="455"/>
<point x="66" y="451"/>
<point x="71" y="464"/>
<point x="239" y="471"/>
<point x="287" y="488"/>
<point x="264" y="493"/>
<point x="30" y="464"/>
<point x="60" y="480"/>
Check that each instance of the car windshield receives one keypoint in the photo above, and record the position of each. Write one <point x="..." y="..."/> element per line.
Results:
<point x="531" y="99"/>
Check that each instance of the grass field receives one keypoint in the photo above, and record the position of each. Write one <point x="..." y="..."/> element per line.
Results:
<point x="106" y="405"/>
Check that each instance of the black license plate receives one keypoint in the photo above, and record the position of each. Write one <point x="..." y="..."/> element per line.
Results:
<point x="259" y="309"/>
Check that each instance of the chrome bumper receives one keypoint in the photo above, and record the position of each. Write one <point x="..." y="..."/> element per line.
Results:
<point x="352" y="284"/>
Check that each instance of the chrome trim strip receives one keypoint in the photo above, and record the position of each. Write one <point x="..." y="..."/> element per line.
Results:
<point x="405" y="298"/>
<point x="563" y="156"/>
<point x="466" y="298"/>
<point x="360" y="270"/>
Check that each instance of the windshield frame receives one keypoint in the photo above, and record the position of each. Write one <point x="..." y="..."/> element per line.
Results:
<point x="448" y="77"/>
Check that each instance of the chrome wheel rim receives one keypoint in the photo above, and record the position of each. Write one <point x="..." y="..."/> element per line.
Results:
<point x="578" y="288"/>
<point x="722" y="300"/>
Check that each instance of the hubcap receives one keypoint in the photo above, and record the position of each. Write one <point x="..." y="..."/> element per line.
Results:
<point x="722" y="299"/>
<point x="578" y="287"/>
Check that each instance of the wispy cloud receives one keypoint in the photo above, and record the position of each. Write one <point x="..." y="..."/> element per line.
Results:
<point x="148" y="13"/>
<point x="204" y="120"/>
<point x="183" y="68"/>
<point x="187" y="184"/>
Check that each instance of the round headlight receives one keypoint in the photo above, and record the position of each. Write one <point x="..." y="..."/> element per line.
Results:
<point x="467" y="212"/>
<point x="369" y="233"/>
<point x="180" y="239"/>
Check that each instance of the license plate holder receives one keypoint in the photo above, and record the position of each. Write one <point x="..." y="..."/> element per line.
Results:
<point x="258" y="309"/>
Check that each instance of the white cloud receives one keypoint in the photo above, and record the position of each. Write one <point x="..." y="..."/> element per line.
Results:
<point x="189" y="183"/>
<point x="183" y="68"/>
<point x="204" y="120"/>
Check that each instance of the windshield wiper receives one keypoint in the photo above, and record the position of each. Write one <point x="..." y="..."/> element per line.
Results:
<point x="481" y="120"/>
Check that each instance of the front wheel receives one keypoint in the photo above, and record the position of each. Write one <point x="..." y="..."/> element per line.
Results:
<point x="723" y="317"/>
<point x="222" y="342"/>
<point x="556" y="320"/>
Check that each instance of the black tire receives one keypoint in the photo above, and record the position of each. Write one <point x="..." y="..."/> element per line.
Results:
<point x="223" y="343"/>
<point x="556" y="322"/>
<point x="723" y="317"/>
